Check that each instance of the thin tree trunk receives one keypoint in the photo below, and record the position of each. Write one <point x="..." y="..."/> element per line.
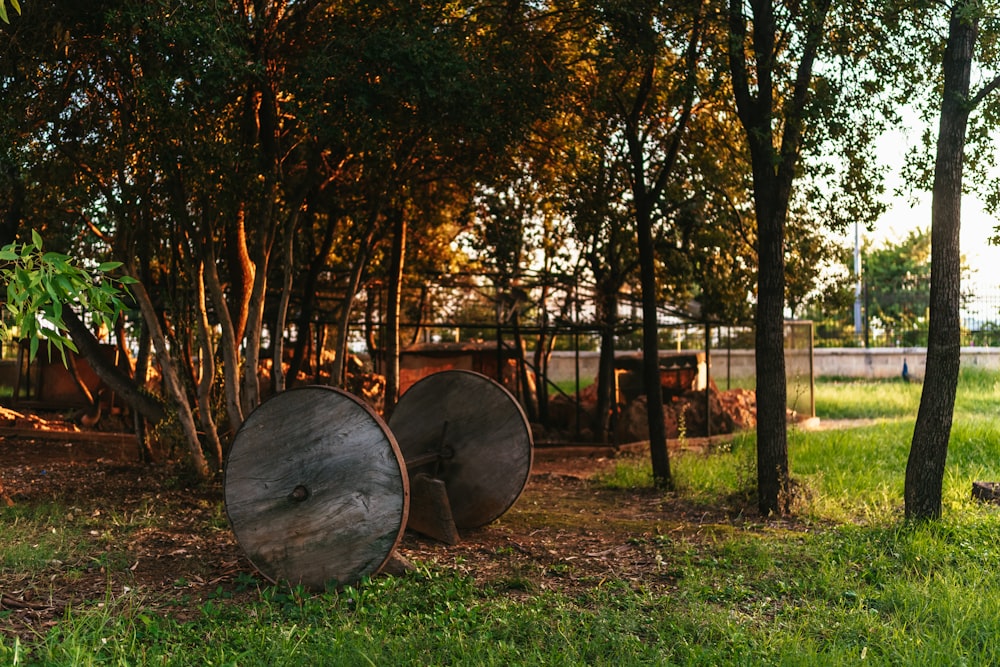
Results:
<point x="206" y="378"/>
<point x="308" y="292"/>
<point x="371" y="335"/>
<point x="172" y="383"/>
<point x="251" y="365"/>
<point x="393" y="311"/>
<point x="354" y="284"/>
<point x="929" y="447"/>
<point x="608" y="311"/>
<point x="418" y="326"/>
<point x="140" y="375"/>
<point x="241" y="275"/>
<point x="527" y="395"/>
<point x="277" y="336"/>
<point x="230" y="350"/>
<point x="651" y="355"/>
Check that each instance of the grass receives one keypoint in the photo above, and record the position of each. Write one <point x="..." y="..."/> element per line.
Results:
<point x="847" y="582"/>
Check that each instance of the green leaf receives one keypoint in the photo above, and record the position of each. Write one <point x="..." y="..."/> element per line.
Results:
<point x="59" y="261"/>
<point x="33" y="348"/>
<point x="36" y="238"/>
<point x="107" y="267"/>
<point x="64" y="284"/>
<point x="50" y="288"/>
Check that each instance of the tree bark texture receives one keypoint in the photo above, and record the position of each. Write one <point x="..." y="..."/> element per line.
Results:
<point x="308" y="304"/>
<point x="278" y="381"/>
<point x="251" y="378"/>
<point x="206" y="379"/>
<point x="772" y="390"/>
<point x="365" y="246"/>
<point x="651" y="356"/>
<point x="929" y="447"/>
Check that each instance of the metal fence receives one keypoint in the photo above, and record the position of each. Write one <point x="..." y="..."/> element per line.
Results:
<point x="980" y="324"/>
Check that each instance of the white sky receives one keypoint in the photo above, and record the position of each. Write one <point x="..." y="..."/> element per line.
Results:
<point x="901" y="218"/>
<point x="977" y="227"/>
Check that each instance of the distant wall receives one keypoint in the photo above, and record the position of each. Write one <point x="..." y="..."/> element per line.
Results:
<point x="878" y="362"/>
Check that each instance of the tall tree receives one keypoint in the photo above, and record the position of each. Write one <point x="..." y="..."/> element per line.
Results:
<point x="773" y="112"/>
<point x="929" y="447"/>
<point x="642" y="66"/>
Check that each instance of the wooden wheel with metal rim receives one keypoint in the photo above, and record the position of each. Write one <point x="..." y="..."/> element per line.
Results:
<point x="316" y="489"/>
<point x="467" y="430"/>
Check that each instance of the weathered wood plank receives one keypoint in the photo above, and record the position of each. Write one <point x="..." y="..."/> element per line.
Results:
<point x="430" y="511"/>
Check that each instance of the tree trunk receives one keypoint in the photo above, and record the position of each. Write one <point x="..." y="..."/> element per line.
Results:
<point x="278" y="335"/>
<point x="395" y="289"/>
<point x="608" y="312"/>
<point x="774" y="161"/>
<point x="230" y="350"/>
<point x="140" y="375"/>
<point x="373" y="295"/>
<point x="251" y="364"/>
<point x="171" y="382"/>
<point x="772" y="389"/>
<point x="543" y="348"/>
<point x="353" y="285"/>
<point x="206" y="379"/>
<point x="525" y="392"/>
<point x="308" y="292"/>
<point x="651" y="354"/>
<point x="543" y="351"/>
<point x="242" y="275"/>
<point x="929" y="448"/>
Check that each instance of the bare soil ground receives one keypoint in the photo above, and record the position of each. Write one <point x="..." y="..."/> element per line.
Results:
<point x="149" y="532"/>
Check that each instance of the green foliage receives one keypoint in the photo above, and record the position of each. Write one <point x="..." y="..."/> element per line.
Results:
<point x="897" y="279"/>
<point x="40" y="284"/>
<point x="3" y="9"/>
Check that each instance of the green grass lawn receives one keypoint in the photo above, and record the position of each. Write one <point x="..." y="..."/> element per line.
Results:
<point x="844" y="582"/>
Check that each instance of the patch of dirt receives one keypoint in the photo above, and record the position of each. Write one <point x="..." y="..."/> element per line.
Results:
<point x="151" y="534"/>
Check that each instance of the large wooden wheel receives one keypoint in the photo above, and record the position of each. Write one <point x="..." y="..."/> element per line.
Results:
<point x="316" y="489"/>
<point x="470" y="432"/>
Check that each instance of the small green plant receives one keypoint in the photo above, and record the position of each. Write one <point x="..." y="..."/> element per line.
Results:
<point x="39" y="286"/>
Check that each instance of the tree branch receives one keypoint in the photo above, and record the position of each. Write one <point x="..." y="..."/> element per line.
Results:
<point x="120" y="383"/>
<point x="990" y="88"/>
